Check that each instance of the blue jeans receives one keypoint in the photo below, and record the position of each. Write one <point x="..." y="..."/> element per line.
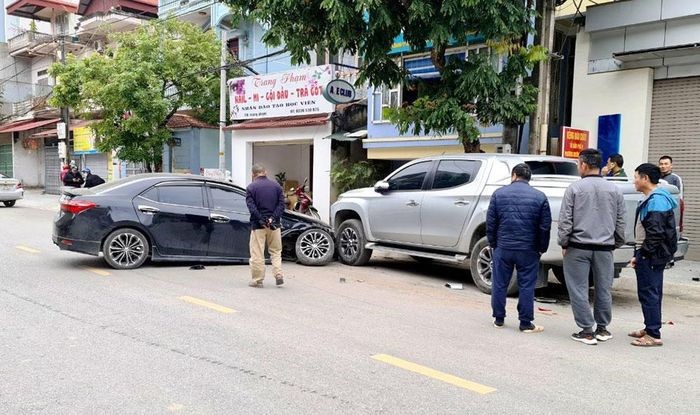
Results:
<point x="650" y="283"/>
<point x="526" y="263"/>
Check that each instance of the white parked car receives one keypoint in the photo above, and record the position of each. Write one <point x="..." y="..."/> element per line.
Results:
<point x="10" y="190"/>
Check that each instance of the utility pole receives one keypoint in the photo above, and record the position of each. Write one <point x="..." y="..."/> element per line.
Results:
<point x="222" y="102"/>
<point x="65" y="112"/>
<point x="539" y="131"/>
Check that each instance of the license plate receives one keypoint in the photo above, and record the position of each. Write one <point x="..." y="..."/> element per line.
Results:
<point x="6" y="187"/>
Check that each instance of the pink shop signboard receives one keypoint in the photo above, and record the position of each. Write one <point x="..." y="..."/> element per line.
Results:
<point x="283" y="94"/>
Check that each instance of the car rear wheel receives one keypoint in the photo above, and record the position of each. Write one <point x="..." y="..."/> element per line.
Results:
<point x="315" y="247"/>
<point x="351" y="243"/>
<point x="125" y="249"/>
<point x="481" y="265"/>
<point x="9" y="203"/>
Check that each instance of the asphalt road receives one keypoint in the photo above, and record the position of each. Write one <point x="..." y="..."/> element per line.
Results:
<point x="77" y="337"/>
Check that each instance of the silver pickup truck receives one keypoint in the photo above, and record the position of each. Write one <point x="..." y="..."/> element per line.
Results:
<point x="435" y="209"/>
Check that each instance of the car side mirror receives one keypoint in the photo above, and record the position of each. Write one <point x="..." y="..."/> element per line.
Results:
<point x="381" y="186"/>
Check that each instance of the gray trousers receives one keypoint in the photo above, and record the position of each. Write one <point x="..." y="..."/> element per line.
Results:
<point x="577" y="264"/>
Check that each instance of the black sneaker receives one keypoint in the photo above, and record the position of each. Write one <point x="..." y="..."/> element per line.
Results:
<point x="602" y="334"/>
<point x="585" y="338"/>
<point x="498" y="323"/>
<point x="279" y="280"/>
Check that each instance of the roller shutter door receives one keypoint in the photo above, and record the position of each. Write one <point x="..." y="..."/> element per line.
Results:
<point x="98" y="164"/>
<point x="52" y="169"/>
<point x="675" y="131"/>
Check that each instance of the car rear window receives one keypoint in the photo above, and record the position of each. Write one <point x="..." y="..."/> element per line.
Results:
<point x="553" y="167"/>
<point x="183" y="195"/>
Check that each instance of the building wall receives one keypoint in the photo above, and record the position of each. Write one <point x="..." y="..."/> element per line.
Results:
<point x="623" y="92"/>
<point x="29" y="164"/>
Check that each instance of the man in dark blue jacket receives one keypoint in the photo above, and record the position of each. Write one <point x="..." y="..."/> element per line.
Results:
<point x="517" y="227"/>
<point x="655" y="244"/>
<point x="265" y="200"/>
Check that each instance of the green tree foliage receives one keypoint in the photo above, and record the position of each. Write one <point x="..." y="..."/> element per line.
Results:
<point x="347" y="175"/>
<point x="139" y="83"/>
<point x="469" y="94"/>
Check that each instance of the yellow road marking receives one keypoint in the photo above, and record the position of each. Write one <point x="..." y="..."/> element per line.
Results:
<point x="207" y="304"/>
<point x="98" y="271"/>
<point x="27" y="249"/>
<point x="435" y="374"/>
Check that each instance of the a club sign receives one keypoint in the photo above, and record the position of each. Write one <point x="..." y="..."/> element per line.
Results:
<point x="339" y="91"/>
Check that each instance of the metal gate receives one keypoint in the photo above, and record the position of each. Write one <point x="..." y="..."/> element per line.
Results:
<point x="52" y="169"/>
<point x="675" y="131"/>
<point x="6" y="160"/>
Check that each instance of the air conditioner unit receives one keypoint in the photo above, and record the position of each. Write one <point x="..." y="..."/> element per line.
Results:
<point x="503" y="148"/>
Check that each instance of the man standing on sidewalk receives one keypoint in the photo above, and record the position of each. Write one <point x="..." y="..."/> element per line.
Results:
<point x="666" y="166"/>
<point x="517" y="227"/>
<point x="655" y="244"/>
<point x="265" y="200"/>
<point x="591" y="226"/>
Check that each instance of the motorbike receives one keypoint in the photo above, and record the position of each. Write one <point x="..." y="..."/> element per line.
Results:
<point x="304" y="203"/>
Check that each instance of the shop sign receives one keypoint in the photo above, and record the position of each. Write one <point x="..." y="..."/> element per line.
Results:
<point x="339" y="91"/>
<point x="61" y="130"/>
<point x="84" y="141"/>
<point x="283" y="94"/>
<point x="573" y="142"/>
<point x="62" y="150"/>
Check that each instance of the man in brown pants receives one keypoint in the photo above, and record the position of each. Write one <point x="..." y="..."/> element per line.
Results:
<point x="265" y="200"/>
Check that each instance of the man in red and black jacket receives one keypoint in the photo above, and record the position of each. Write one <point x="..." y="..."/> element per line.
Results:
<point x="656" y="241"/>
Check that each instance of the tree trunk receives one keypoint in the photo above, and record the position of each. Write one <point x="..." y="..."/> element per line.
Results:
<point x="471" y="146"/>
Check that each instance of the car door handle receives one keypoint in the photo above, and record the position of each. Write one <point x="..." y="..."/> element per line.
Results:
<point x="412" y="203"/>
<point x="462" y="202"/>
<point x="149" y="210"/>
<point x="220" y="218"/>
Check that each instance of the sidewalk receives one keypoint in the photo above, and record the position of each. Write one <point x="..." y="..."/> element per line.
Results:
<point x="36" y="199"/>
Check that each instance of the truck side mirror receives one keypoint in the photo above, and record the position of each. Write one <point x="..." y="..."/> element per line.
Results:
<point x="381" y="186"/>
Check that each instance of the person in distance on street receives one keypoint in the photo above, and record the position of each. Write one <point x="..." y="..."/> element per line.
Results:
<point x="92" y="180"/>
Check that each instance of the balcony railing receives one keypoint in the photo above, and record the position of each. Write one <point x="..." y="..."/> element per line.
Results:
<point x="28" y="41"/>
<point x="29" y="97"/>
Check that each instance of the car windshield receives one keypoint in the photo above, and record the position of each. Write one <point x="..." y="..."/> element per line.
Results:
<point x="553" y="167"/>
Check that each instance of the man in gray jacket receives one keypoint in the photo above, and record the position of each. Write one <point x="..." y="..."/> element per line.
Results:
<point x="591" y="226"/>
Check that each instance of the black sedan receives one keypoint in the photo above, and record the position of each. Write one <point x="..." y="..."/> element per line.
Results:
<point x="170" y="217"/>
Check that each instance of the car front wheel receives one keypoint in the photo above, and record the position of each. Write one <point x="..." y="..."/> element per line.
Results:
<point x="125" y="249"/>
<point x="315" y="247"/>
<point x="351" y="243"/>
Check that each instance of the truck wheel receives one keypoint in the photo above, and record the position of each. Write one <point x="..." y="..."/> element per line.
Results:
<point x="315" y="247"/>
<point x="481" y="265"/>
<point x="9" y="203"/>
<point x="351" y="243"/>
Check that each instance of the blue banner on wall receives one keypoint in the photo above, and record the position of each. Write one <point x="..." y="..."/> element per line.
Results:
<point x="609" y="135"/>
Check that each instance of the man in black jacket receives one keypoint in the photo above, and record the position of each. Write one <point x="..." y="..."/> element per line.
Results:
<point x="73" y="178"/>
<point x="655" y="244"/>
<point x="265" y="200"/>
<point x="92" y="180"/>
<point x="517" y="227"/>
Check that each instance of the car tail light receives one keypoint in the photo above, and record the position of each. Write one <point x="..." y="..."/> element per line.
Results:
<point x="18" y="185"/>
<point x="76" y="206"/>
<point x="680" y="222"/>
